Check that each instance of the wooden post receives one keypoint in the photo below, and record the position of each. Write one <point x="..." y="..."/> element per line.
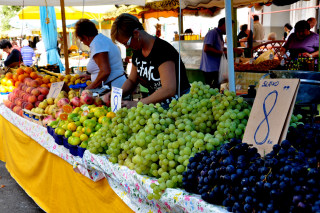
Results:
<point x="235" y="26"/>
<point x="65" y="41"/>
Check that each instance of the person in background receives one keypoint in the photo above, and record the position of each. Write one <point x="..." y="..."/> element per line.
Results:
<point x="287" y="31"/>
<point x="258" y="31"/>
<point x="27" y="53"/>
<point x="312" y="22"/>
<point x="213" y="48"/>
<point x="302" y="41"/>
<point x="155" y="64"/>
<point x="41" y="50"/>
<point x="15" y="45"/>
<point x="272" y="36"/>
<point x="14" y="56"/>
<point x="105" y="63"/>
<point x="243" y="32"/>
<point x="188" y="31"/>
<point x="245" y="36"/>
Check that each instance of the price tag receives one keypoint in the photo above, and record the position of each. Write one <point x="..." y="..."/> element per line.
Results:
<point x="237" y="60"/>
<point x="251" y="61"/>
<point x="271" y="112"/>
<point x="116" y="97"/>
<point x="55" y="89"/>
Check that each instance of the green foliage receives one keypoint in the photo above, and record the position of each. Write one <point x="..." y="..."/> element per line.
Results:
<point x="8" y="12"/>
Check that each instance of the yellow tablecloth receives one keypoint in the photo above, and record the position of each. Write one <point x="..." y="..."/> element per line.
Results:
<point x="49" y="180"/>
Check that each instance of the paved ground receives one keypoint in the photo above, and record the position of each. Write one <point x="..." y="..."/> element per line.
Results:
<point x="13" y="198"/>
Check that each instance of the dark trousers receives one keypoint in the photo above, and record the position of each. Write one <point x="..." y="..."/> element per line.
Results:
<point x="212" y="79"/>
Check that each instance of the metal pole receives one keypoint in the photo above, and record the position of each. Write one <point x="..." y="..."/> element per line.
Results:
<point x="232" y="86"/>
<point x="65" y="41"/>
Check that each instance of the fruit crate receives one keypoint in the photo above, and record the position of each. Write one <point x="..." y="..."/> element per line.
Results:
<point x="34" y="117"/>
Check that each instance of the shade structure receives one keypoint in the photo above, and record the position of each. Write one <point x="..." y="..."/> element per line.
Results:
<point x="32" y="12"/>
<point x="218" y="3"/>
<point x="49" y="33"/>
<point x="71" y="2"/>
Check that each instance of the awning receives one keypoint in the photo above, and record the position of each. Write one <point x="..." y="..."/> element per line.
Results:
<point x="32" y="12"/>
<point x="70" y="2"/>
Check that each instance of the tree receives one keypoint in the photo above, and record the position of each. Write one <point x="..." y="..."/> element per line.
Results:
<point x="8" y="12"/>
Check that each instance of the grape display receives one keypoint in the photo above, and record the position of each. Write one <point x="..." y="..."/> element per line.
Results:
<point x="285" y="180"/>
<point x="159" y="142"/>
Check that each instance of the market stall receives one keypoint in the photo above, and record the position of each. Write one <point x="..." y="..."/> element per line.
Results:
<point x="32" y="156"/>
<point x="188" y="157"/>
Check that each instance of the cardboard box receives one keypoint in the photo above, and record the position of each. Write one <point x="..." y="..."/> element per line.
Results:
<point x="34" y="117"/>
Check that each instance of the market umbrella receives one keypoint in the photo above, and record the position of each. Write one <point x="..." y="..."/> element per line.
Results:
<point x="49" y="34"/>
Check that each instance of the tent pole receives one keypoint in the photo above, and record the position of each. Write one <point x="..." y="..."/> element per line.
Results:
<point x="228" y="11"/>
<point x="100" y="28"/>
<point x="65" y="41"/>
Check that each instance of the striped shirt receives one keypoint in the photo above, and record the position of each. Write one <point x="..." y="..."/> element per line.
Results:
<point x="27" y="54"/>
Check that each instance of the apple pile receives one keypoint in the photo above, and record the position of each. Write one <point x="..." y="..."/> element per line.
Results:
<point x="54" y="106"/>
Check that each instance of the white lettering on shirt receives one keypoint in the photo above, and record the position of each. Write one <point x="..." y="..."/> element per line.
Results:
<point x="146" y="72"/>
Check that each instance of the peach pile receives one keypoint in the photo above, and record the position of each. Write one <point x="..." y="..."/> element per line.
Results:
<point x="26" y="96"/>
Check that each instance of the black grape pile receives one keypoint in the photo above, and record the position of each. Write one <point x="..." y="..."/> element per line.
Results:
<point x="285" y="180"/>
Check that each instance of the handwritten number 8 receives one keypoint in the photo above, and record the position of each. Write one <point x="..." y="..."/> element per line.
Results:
<point x="266" y="118"/>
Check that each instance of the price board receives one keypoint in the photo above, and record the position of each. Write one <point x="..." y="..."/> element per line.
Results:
<point x="55" y="89"/>
<point x="271" y="113"/>
<point x="116" y="98"/>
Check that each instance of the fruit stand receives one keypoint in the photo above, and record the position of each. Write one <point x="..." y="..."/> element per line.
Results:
<point x="44" y="159"/>
<point x="147" y="158"/>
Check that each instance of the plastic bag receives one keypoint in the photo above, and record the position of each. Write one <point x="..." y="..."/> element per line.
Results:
<point x="223" y="70"/>
<point x="264" y="56"/>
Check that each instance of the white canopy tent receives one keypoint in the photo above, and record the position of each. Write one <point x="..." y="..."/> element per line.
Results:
<point x="70" y="2"/>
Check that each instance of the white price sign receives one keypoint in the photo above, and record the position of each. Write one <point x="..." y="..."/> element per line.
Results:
<point x="116" y="97"/>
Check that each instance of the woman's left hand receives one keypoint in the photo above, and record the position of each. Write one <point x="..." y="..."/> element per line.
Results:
<point x="129" y="104"/>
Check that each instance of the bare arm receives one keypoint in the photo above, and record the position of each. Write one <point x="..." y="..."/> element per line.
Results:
<point x="211" y="50"/>
<point x="128" y="86"/>
<point x="313" y="55"/>
<point x="102" y="60"/>
<point x="167" y="90"/>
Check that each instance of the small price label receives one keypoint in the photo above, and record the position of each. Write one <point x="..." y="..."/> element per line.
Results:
<point x="237" y="60"/>
<point x="116" y="97"/>
<point x="55" y="89"/>
<point x="251" y="61"/>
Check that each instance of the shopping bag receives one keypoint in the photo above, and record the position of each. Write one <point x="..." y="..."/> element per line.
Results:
<point x="223" y="70"/>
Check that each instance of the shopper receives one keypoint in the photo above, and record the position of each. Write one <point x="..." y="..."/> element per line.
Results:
<point x="15" y="45"/>
<point x="41" y="51"/>
<point x="288" y="29"/>
<point x="258" y="31"/>
<point x="312" y="21"/>
<point x="213" y="48"/>
<point x="302" y="41"/>
<point x="105" y="63"/>
<point x="14" y="56"/>
<point x="245" y="37"/>
<point x="155" y="63"/>
<point x="27" y="53"/>
<point x="272" y="36"/>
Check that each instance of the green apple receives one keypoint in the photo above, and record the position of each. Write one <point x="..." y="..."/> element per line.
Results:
<point x="74" y="140"/>
<point x="68" y="133"/>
